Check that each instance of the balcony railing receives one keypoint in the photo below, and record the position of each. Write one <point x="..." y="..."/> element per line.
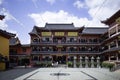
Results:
<point x="111" y="49"/>
<point x="37" y="43"/>
<point x="55" y="52"/>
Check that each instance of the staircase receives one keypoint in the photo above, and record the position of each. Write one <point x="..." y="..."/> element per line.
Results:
<point x="62" y="65"/>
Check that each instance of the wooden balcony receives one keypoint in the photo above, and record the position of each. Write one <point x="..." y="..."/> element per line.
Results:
<point x="65" y="52"/>
<point x="65" y="43"/>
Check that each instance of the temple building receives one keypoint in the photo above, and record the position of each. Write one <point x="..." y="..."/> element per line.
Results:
<point x="19" y="53"/>
<point x="111" y="42"/>
<point x="65" y="42"/>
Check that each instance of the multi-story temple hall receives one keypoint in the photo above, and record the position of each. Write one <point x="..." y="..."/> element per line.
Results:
<point x="65" y="42"/>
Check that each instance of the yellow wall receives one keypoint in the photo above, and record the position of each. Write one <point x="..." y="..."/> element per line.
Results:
<point x="4" y="50"/>
<point x="2" y="66"/>
<point x="4" y="46"/>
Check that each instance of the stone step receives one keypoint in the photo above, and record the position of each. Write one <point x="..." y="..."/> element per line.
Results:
<point x="62" y="65"/>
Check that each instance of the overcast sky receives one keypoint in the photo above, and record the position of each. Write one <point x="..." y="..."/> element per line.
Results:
<point x="22" y="15"/>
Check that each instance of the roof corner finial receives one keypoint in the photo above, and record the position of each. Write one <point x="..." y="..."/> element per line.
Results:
<point x="83" y="26"/>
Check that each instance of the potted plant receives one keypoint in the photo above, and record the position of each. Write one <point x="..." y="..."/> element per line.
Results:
<point x="70" y="64"/>
<point x="78" y="64"/>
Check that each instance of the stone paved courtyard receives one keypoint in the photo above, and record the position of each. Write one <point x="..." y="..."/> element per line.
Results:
<point x="14" y="73"/>
<point x="71" y="74"/>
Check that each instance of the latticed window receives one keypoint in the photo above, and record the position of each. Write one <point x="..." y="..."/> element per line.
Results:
<point x="34" y="48"/>
<point x="119" y="28"/>
<point x="112" y="31"/>
<point x="35" y="40"/>
<point x="36" y="58"/>
<point x="45" y="39"/>
<point x="24" y="49"/>
<point x="13" y="51"/>
<point x="83" y="40"/>
<point x="113" y="44"/>
<point x="119" y="42"/>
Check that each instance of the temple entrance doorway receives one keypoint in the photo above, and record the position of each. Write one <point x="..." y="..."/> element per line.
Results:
<point x="59" y="59"/>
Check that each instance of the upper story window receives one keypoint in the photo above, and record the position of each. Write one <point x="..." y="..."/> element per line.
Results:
<point x="83" y="48"/>
<point x="95" y="40"/>
<point x="35" y="58"/>
<point x="105" y="37"/>
<point x="118" y="41"/>
<point x="71" y="39"/>
<point x="105" y="47"/>
<point x="13" y="51"/>
<point x="35" y="40"/>
<point x="118" y="28"/>
<point x="63" y="49"/>
<point x="112" y="31"/>
<point x="90" y="40"/>
<point x="72" y="48"/>
<point x="113" y="44"/>
<point x="36" y="48"/>
<point x="47" y="49"/>
<point x="83" y="40"/>
<point x="24" y="49"/>
<point x="44" y="48"/>
<point x="46" y="39"/>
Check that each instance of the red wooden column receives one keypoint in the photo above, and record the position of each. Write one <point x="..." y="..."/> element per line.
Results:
<point x="66" y="58"/>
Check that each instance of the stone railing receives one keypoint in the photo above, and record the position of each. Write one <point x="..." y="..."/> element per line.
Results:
<point x="86" y="63"/>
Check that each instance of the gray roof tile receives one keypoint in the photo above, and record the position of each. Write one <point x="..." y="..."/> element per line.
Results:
<point x="94" y="30"/>
<point x="60" y="26"/>
<point x="13" y="41"/>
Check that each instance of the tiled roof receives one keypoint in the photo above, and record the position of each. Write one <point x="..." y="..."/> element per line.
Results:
<point x="25" y="45"/>
<point x="85" y="30"/>
<point x="94" y="30"/>
<point x="55" y="26"/>
<point x="60" y="26"/>
<point x="6" y="34"/>
<point x="112" y="19"/>
<point x="14" y="41"/>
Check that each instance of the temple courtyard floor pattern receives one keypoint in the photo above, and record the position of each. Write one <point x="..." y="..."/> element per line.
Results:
<point x="60" y="74"/>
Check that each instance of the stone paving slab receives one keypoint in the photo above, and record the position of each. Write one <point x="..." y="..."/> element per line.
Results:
<point x="101" y="74"/>
<point x="14" y="73"/>
<point x="74" y="74"/>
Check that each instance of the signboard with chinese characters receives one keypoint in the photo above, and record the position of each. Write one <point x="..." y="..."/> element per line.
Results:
<point x="59" y="33"/>
<point x="72" y="34"/>
<point x="46" y="33"/>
